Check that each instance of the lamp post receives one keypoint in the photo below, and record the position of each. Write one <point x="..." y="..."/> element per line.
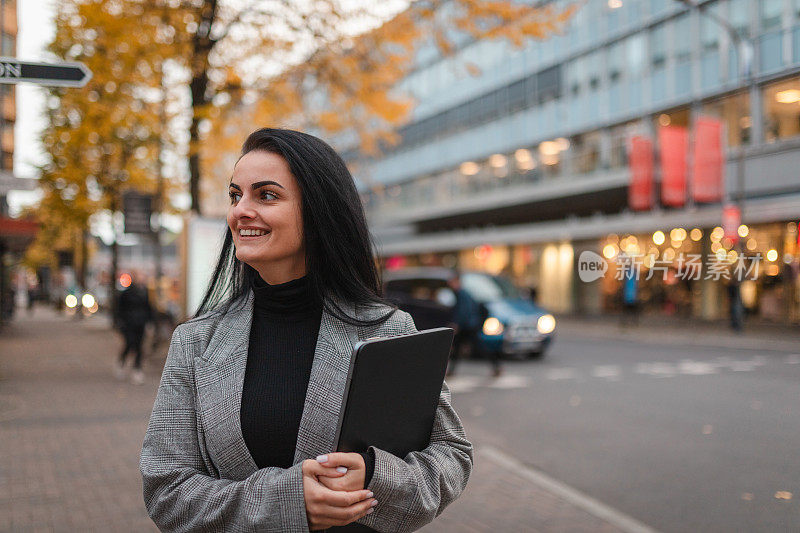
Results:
<point x="743" y="43"/>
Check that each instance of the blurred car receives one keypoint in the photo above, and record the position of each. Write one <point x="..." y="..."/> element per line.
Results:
<point x="512" y="323"/>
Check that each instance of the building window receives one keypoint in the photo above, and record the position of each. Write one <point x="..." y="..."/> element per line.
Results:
<point x="575" y="75"/>
<point x="7" y="45"/>
<point x="615" y="61"/>
<point x="734" y="111"/>
<point x="585" y="152"/>
<point x="781" y="109"/>
<point x="682" y="37"/>
<point x="7" y="139"/>
<point x="658" y="46"/>
<point x="739" y="15"/>
<point x="619" y="142"/>
<point x="635" y="53"/>
<point x="770" y="12"/>
<point x="710" y="30"/>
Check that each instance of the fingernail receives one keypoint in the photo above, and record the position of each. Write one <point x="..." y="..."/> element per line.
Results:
<point x="370" y="495"/>
<point x="370" y="510"/>
<point x="340" y="469"/>
<point x="322" y="458"/>
<point x="374" y="503"/>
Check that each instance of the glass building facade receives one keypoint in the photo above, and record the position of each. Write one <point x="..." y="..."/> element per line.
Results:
<point x="521" y="168"/>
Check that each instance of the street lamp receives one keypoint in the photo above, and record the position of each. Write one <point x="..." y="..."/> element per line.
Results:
<point x="744" y="48"/>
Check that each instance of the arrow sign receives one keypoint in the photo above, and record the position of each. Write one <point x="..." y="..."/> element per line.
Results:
<point x="53" y="74"/>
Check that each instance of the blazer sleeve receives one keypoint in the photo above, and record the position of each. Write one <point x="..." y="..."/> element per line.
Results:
<point x="179" y="491"/>
<point x="413" y="490"/>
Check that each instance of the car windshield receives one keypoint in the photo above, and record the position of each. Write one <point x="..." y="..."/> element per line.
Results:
<point x="486" y="288"/>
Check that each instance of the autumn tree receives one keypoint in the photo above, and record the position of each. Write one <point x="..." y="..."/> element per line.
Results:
<point x="326" y="64"/>
<point x="104" y="138"/>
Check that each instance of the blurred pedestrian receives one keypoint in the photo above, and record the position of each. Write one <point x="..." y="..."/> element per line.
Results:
<point x="735" y="305"/>
<point x="32" y="295"/>
<point x="467" y="322"/>
<point x="133" y="314"/>
<point x="296" y="266"/>
<point x="630" y="296"/>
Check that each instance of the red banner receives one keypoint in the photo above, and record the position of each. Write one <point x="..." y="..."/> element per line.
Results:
<point x="731" y="219"/>
<point x="707" y="171"/>
<point x="673" y="142"/>
<point x="640" y="190"/>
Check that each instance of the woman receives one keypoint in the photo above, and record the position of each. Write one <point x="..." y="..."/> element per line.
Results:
<point x="241" y="435"/>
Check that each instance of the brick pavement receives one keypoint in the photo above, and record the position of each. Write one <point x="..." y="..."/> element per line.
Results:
<point x="71" y="434"/>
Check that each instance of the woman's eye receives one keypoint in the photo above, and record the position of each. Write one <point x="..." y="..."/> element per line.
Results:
<point x="266" y="195"/>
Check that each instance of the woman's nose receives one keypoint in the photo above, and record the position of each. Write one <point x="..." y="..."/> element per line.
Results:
<point x="243" y="209"/>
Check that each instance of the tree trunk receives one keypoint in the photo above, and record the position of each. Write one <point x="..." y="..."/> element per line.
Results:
<point x="202" y="43"/>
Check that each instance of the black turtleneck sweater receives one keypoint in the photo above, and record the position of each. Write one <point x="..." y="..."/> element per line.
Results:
<point x="283" y="337"/>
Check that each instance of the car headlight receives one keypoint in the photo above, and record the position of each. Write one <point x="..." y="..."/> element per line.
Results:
<point x="71" y="300"/>
<point x="546" y="324"/>
<point x="87" y="300"/>
<point x="492" y="326"/>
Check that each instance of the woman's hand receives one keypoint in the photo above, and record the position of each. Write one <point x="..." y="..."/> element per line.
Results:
<point x="325" y="507"/>
<point x="354" y="476"/>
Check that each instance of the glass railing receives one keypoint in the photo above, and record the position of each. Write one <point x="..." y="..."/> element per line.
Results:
<point x="453" y="187"/>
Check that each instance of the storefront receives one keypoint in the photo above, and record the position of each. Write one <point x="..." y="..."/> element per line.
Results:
<point x="686" y="272"/>
<point x="683" y="272"/>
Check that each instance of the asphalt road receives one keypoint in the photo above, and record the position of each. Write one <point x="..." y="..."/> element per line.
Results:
<point x="681" y="438"/>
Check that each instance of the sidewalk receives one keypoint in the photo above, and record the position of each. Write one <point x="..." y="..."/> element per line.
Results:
<point x="71" y="436"/>
<point x="664" y="330"/>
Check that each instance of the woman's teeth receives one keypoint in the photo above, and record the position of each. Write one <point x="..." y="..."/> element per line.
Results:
<point x="252" y="232"/>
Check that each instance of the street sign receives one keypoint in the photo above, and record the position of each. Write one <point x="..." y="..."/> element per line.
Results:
<point x="52" y="74"/>
<point x="137" y="209"/>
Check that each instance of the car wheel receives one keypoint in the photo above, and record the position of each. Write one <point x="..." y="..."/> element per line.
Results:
<point x="537" y="355"/>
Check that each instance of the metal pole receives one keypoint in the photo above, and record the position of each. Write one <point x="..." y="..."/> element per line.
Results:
<point x="744" y="50"/>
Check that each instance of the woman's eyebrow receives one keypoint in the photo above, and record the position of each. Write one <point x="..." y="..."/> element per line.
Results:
<point x="257" y="184"/>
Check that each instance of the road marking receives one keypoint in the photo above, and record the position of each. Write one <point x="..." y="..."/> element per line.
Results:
<point x="509" y="381"/>
<point x="662" y="370"/>
<point x="697" y="368"/>
<point x="613" y="372"/>
<point x="459" y="384"/>
<point x="561" y="373"/>
<point x="610" y="372"/>
<point x="564" y="491"/>
<point x="743" y="366"/>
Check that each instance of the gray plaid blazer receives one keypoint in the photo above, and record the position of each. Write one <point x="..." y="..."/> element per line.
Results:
<point x="198" y="474"/>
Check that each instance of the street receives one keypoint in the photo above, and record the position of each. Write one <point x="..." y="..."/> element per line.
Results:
<point x="604" y="434"/>
<point x="680" y="437"/>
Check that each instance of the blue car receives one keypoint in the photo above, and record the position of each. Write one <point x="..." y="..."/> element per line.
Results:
<point x="511" y="323"/>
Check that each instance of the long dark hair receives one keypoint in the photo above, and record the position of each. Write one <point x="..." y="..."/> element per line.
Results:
<point x="338" y="246"/>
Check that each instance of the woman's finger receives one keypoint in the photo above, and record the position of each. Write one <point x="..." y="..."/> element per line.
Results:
<point x="347" y="460"/>
<point x="341" y="498"/>
<point x="314" y="468"/>
<point x="350" y="481"/>
<point x="340" y="516"/>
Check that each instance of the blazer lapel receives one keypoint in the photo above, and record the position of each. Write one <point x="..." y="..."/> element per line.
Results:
<point x="219" y="374"/>
<point x="326" y="386"/>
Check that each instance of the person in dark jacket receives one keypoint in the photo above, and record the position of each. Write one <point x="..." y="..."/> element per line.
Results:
<point x="133" y="314"/>
<point x="467" y="321"/>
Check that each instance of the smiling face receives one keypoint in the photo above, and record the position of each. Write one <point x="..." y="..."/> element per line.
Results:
<point x="265" y="217"/>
